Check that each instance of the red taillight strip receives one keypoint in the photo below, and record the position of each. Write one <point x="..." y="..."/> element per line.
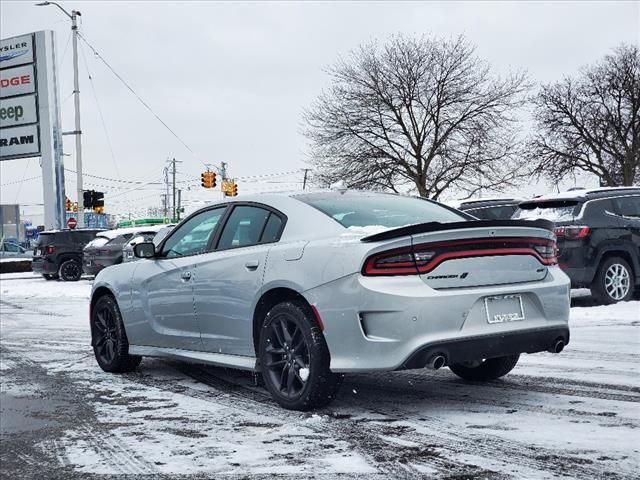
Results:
<point x="372" y="267"/>
<point x="489" y="252"/>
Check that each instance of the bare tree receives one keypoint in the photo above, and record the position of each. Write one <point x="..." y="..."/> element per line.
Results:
<point x="426" y="112"/>
<point x="591" y="123"/>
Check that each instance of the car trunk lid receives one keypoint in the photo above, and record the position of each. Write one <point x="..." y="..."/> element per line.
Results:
<point x="468" y="254"/>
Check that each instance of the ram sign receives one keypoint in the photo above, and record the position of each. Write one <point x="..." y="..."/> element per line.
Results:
<point x="19" y="125"/>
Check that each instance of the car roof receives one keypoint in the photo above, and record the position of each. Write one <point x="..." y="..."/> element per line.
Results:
<point x="90" y="230"/>
<point x="582" y="195"/>
<point x="489" y="202"/>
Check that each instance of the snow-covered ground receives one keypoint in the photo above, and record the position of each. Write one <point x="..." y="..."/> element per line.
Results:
<point x="573" y="415"/>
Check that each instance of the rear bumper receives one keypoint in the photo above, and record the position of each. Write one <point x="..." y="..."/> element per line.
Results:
<point x="391" y="323"/>
<point x="41" y="265"/>
<point x="581" y="277"/>
<point x="489" y="346"/>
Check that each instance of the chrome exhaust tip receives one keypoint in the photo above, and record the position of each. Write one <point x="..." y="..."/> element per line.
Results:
<point x="436" y="362"/>
<point x="558" y="346"/>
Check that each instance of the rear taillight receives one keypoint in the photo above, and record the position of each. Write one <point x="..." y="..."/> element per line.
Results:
<point x="50" y="249"/>
<point x="572" y="232"/>
<point x="423" y="258"/>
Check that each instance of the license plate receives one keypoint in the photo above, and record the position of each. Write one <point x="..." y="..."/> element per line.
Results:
<point x="504" y="308"/>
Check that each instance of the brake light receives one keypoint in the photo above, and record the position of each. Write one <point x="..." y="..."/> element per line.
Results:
<point x="51" y="249"/>
<point x="572" y="232"/>
<point x="424" y="258"/>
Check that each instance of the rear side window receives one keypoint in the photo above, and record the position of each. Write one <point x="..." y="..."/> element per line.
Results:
<point x="555" y="211"/>
<point x="244" y="227"/>
<point x="499" y="212"/>
<point x="272" y="229"/>
<point x="628" y="206"/>
<point x="376" y="209"/>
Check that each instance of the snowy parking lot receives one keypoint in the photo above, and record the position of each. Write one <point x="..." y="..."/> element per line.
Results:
<point x="573" y="415"/>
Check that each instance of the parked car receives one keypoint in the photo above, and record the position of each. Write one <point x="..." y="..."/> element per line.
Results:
<point x="155" y="237"/>
<point x="598" y="234"/>
<point x="107" y="248"/>
<point x="58" y="253"/>
<point x="13" y="250"/>
<point x="307" y="287"/>
<point x="490" y="208"/>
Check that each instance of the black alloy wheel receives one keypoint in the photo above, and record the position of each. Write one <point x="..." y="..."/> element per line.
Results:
<point x="108" y="338"/>
<point x="294" y="358"/>
<point x="70" y="271"/>
<point x="287" y="357"/>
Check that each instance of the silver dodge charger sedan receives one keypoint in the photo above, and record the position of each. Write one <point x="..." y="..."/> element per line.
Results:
<point x="305" y="287"/>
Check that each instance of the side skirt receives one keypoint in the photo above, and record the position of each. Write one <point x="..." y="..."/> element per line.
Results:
<point x="218" y="359"/>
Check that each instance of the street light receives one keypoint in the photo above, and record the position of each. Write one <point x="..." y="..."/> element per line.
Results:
<point x="76" y="100"/>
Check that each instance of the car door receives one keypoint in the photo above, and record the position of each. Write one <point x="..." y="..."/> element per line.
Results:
<point x="628" y="210"/>
<point x="165" y="286"/>
<point x="228" y="280"/>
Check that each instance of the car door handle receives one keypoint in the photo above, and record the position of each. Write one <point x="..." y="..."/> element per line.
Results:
<point x="251" y="266"/>
<point x="185" y="276"/>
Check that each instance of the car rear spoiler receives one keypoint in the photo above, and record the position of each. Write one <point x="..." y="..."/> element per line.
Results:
<point x="438" y="227"/>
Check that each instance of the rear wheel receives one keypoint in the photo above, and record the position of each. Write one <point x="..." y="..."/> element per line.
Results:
<point x="295" y="359"/>
<point x="485" y="370"/>
<point x="109" y="339"/>
<point x="613" y="282"/>
<point x="70" y="271"/>
<point x="50" y="276"/>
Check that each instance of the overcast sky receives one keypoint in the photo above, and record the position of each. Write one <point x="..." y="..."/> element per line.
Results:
<point x="232" y="79"/>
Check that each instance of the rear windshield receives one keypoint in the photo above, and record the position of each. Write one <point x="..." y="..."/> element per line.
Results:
<point x="555" y="211"/>
<point x="377" y="209"/>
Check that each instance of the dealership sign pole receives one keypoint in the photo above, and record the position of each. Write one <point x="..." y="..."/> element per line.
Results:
<point x="30" y="114"/>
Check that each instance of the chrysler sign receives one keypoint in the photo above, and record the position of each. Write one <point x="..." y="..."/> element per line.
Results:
<point x="19" y="121"/>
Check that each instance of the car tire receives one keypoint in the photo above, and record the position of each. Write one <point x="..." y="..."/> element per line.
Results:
<point x="614" y="281"/>
<point x="294" y="358"/>
<point x="485" y="370"/>
<point x="109" y="339"/>
<point x="50" y="276"/>
<point x="70" y="271"/>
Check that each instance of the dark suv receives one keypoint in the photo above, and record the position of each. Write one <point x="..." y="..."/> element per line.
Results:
<point x="598" y="237"/>
<point x="490" y="209"/>
<point x="58" y="254"/>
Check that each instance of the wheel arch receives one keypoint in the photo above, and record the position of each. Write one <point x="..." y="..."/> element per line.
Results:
<point x="270" y="299"/>
<point x="98" y="293"/>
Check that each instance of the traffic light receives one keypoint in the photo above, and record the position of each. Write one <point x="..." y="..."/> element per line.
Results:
<point x="234" y="189"/>
<point x="208" y="179"/>
<point x="98" y="210"/>
<point x="68" y="205"/>
<point x="98" y="200"/>
<point x="87" y="198"/>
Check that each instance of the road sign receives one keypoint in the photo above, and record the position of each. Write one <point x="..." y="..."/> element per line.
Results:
<point x="72" y="222"/>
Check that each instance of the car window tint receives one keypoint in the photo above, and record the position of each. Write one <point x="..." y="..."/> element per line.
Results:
<point x="498" y="212"/>
<point x="243" y="228"/>
<point x="193" y="236"/>
<point x="272" y="229"/>
<point x="628" y="206"/>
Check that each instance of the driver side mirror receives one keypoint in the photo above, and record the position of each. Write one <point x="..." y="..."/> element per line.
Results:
<point x="144" y="250"/>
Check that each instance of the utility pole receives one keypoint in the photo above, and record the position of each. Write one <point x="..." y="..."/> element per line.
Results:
<point x="179" y="204"/>
<point x="76" y="92"/>
<point x="76" y="102"/>
<point x="174" y="189"/>
<point x="304" y="180"/>
<point x="165" y="204"/>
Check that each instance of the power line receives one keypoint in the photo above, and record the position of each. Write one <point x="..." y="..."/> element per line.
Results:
<point x="104" y="125"/>
<point x="20" y="181"/>
<point x="146" y="105"/>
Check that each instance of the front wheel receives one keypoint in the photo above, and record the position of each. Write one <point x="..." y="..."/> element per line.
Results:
<point x="109" y="339"/>
<point x="613" y="282"/>
<point x="294" y="358"/>
<point x="70" y="271"/>
<point x="485" y="370"/>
